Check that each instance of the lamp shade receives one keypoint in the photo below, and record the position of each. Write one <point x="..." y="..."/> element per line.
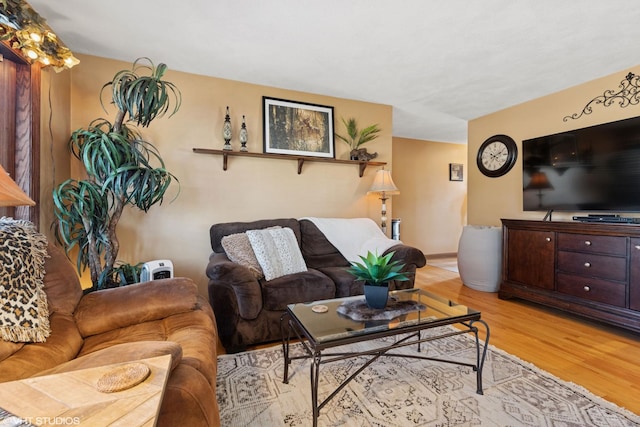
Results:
<point x="382" y="183"/>
<point x="10" y="193"/>
<point x="539" y="181"/>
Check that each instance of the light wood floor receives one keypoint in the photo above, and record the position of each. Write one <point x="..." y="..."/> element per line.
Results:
<point x="602" y="359"/>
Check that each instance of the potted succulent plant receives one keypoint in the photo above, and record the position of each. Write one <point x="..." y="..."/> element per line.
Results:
<point x="121" y="168"/>
<point x="377" y="271"/>
<point x="355" y="137"/>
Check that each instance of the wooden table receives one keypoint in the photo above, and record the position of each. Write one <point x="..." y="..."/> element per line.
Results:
<point x="72" y="398"/>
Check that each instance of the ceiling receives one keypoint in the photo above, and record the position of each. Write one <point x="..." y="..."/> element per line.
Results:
<point x="438" y="63"/>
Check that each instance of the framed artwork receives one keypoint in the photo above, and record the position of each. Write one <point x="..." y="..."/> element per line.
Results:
<point x="455" y="172"/>
<point x="298" y="128"/>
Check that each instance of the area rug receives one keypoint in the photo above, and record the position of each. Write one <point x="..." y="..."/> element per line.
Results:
<point x="407" y="392"/>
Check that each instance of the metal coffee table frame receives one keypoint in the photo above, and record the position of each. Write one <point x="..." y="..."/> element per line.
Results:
<point x="314" y="349"/>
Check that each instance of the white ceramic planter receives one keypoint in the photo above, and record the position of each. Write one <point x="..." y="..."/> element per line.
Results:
<point x="480" y="257"/>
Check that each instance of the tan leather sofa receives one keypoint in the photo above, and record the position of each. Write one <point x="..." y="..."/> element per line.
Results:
<point x="124" y="324"/>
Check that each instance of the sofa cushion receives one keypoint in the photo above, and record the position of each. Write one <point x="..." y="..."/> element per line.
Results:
<point x="61" y="282"/>
<point x="346" y="285"/>
<point x="307" y="286"/>
<point x="238" y="249"/>
<point x="277" y="252"/>
<point x="218" y="231"/>
<point x="24" y="313"/>
<point x="116" y="308"/>
<point x="120" y="353"/>
<point x="63" y="344"/>
<point x="317" y="250"/>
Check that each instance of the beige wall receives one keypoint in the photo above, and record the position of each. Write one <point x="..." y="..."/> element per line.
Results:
<point x="54" y="134"/>
<point x="491" y="199"/>
<point x="250" y="189"/>
<point x="432" y="208"/>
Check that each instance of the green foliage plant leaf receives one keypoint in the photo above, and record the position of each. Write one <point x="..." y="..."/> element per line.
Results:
<point x="377" y="270"/>
<point x="122" y="169"/>
<point x="143" y="97"/>
<point x="355" y="137"/>
<point x="121" y="274"/>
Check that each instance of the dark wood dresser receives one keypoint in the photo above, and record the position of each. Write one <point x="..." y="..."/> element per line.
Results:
<point x="590" y="269"/>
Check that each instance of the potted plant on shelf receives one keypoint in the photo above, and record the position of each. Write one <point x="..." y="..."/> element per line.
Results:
<point x="355" y="138"/>
<point x="377" y="271"/>
<point x="121" y="168"/>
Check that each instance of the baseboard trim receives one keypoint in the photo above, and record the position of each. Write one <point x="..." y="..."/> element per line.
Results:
<point x="444" y="255"/>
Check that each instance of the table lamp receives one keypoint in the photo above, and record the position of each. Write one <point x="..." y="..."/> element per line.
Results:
<point x="383" y="185"/>
<point x="539" y="181"/>
<point x="10" y="193"/>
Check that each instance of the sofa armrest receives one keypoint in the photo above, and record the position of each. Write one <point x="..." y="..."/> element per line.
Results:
<point x="242" y="291"/>
<point x="408" y="255"/>
<point x="115" y="308"/>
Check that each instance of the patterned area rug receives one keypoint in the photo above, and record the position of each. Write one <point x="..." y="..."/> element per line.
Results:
<point x="407" y="392"/>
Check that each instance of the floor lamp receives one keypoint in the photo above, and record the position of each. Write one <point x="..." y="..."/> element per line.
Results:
<point x="10" y="193"/>
<point x="383" y="185"/>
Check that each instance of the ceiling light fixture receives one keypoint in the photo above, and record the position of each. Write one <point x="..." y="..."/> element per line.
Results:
<point x="25" y="30"/>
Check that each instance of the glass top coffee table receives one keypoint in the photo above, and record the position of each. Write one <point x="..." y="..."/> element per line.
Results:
<point x="322" y="325"/>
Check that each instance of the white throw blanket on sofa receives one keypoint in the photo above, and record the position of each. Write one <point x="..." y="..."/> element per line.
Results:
<point x="354" y="236"/>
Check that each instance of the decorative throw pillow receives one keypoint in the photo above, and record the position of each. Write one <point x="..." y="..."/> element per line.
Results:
<point x="24" y="312"/>
<point x="277" y="252"/>
<point x="238" y="249"/>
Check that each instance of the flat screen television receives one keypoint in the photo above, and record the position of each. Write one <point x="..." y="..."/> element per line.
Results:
<point x="590" y="169"/>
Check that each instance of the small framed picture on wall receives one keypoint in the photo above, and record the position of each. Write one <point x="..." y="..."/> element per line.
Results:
<point x="456" y="172"/>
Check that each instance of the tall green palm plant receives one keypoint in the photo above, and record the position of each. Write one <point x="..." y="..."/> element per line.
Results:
<point x="122" y="169"/>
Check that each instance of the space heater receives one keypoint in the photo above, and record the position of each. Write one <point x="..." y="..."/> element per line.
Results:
<point x="158" y="269"/>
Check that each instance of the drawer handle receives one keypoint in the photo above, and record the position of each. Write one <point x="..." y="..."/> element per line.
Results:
<point x="548" y="239"/>
<point x="587" y="264"/>
<point x="587" y="242"/>
<point x="587" y="288"/>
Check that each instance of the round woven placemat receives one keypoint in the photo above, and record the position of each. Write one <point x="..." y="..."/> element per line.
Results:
<point x="123" y="377"/>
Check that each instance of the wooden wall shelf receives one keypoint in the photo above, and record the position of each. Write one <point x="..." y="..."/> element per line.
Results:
<point x="301" y="159"/>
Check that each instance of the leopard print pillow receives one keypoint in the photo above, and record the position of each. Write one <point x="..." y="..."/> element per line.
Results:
<point x="24" y="312"/>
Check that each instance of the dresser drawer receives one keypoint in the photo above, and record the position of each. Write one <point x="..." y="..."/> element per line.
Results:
<point x="591" y="289"/>
<point x="611" y="245"/>
<point x="590" y="265"/>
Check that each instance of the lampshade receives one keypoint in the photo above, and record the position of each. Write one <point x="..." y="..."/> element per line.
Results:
<point x="10" y="193"/>
<point x="539" y="181"/>
<point x="383" y="183"/>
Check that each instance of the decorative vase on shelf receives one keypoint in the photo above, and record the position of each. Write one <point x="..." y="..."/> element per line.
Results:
<point x="376" y="296"/>
<point x="226" y="131"/>
<point x="244" y="137"/>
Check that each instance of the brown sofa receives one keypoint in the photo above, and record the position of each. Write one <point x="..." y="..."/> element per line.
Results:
<point x="124" y="324"/>
<point x="248" y="309"/>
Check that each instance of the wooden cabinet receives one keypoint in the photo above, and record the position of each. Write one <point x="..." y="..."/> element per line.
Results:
<point x="592" y="270"/>
<point x="530" y="256"/>
<point x="634" y="288"/>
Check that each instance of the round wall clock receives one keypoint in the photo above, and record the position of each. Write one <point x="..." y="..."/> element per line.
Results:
<point x="497" y="155"/>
